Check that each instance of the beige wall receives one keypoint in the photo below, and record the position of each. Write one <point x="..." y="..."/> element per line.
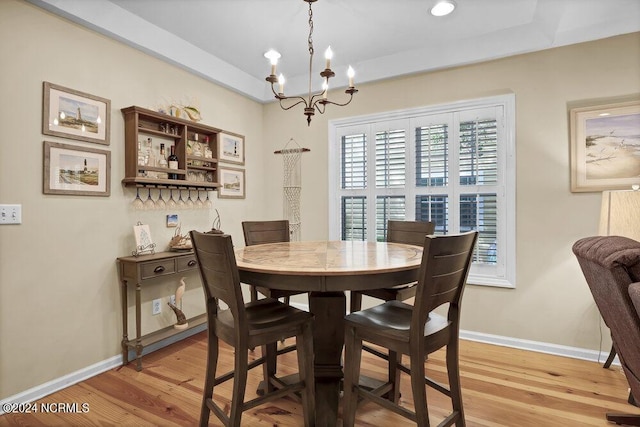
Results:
<point x="551" y="303"/>
<point x="59" y="295"/>
<point x="59" y="291"/>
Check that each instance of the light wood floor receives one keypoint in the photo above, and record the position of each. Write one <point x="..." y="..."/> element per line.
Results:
<point x="501" y="387"/>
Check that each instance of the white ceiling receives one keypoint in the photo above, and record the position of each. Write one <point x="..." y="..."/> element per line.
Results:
<point x="224" y="40"/>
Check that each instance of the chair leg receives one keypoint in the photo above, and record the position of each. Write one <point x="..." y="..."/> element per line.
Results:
<point x="356" y="302"/>
<point x="453" y="371"/>
<point x="270" y="351"/>
<point x="212" y="362"/>
<point x="254" y="293"/>
<point x="353" y="353"/>
<point x="612" y="355"/>
<point x="241" y="364"/>
<point x="394" y="376"/>
<point x="419" y="390"/>
<point x="304" y="345"/>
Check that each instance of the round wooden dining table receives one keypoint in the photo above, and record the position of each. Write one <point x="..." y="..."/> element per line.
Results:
<point x="326" y="269"/>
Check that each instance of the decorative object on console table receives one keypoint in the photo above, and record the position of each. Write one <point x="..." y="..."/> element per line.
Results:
<point x="181" y="318"/>
<point x="75" y="170"/>
<point x="180" y="243"/>
<point x="75" y="115"/>
<point x="605" y="144"/>
<point x="144" y="243"/>
<point x="231" y="148"/>
<point x="232" y="183"/>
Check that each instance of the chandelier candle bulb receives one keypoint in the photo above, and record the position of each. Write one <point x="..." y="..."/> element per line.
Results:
<point x="350" y="74"/>
<point x="328" y="54"/>
<point x="325" y="88"/>
<point x="281" y="83"/>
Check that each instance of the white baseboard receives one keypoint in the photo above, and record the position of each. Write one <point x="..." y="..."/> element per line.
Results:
<point x="52" y="386"/>
<point x="65" y="381"/>
<point x="538" y="347"/>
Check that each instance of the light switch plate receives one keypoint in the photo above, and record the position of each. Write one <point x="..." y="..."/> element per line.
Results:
<point x="10" y="214"/>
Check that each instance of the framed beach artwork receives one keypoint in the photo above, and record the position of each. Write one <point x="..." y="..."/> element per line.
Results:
<point x="72" y="114"/>
<point x="605" y="146"/>
<point x="231" y="148"/>
<point x="232" y="183"/>
<point x="77" y="171"/>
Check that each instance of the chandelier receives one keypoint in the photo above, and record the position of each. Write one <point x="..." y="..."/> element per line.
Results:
<point x="313" y="101"/>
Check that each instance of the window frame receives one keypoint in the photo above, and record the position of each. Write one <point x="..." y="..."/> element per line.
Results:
<point x="506" y="187"/>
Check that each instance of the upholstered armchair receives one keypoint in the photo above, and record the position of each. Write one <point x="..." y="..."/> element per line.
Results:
<point x="611" y="265"/>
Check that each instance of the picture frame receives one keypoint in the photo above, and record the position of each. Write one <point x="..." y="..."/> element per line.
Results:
<point x="76" y="170"/>
<point x="172" y="220"/>
<point x="72" y="114"/>
<point x="605" y="144"/>
<point x="144" y="242"/>
<point x="232" y="183"/>
<point x="231" y="148"/>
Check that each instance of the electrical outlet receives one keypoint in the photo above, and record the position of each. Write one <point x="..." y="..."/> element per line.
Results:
<point x="172" y="299"/>
<point x="157" y="306"/>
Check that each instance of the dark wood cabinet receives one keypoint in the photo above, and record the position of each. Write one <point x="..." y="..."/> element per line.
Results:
<point x="195" y="144"/>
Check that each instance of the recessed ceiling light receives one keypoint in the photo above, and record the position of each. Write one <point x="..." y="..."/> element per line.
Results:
<point x="443" y="8"/>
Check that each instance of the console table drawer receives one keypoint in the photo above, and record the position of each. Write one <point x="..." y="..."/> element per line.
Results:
<point x="187" y="263"/>
<point x="157" y="268"/>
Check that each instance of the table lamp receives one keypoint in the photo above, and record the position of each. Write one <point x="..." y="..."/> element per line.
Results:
<point x="620" y="213"/>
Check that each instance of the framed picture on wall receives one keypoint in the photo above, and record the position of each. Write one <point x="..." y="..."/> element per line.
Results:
<point x="72" y="114"/>
<point x="232" y="183"/>
<point x="231" y="148"/>
<point x="605" y="146"/>
<point x="75" y="170"/>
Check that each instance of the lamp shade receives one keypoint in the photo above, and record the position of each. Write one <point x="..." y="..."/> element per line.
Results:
<point x="620" y="214"/>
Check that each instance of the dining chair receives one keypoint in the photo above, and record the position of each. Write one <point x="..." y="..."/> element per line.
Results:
<point x="261" y="232"/>
<point x="411" y="233"/>
<point x="243" y="326"/>
<point x="415" y="331"/>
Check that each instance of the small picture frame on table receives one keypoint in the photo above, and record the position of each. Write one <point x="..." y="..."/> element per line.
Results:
<point x="144" y="242"/>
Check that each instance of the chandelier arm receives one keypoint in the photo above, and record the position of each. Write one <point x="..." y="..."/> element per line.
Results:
<point x="320" y="107"/>
<point x="326" y="101"/>
<point x="300" y="99"/>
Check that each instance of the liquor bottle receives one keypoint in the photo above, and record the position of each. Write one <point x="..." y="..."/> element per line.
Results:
<point x="162" y="161"/>
<point x="173" y="162"/>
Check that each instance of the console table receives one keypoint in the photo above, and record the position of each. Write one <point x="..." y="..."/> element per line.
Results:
<point x="140" y="270"/>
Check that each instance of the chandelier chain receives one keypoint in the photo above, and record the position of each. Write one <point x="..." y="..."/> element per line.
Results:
<point x="310" y="44"/>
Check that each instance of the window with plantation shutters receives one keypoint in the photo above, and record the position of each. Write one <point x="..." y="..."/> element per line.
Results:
<point x="451" y="164"/>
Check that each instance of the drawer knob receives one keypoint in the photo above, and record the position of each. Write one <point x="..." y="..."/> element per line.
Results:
<point x="192" y="263"/>
<point x="158" y="269"/>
